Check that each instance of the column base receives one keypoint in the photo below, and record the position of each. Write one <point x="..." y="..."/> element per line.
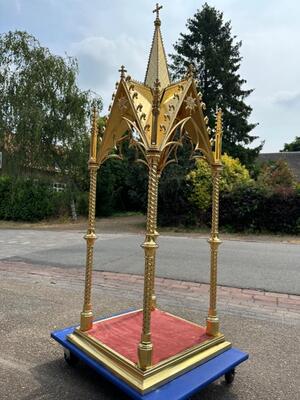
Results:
<point x="145" y="355"/>
<point x="212" y="326"/>
<point x="86" y="321"/>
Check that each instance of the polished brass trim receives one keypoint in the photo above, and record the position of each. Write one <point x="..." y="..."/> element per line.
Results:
<point x="146" y="380"/>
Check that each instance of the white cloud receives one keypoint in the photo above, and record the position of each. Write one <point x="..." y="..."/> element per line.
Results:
<point x="105" y="34"/>
<point x="288" y="99"/>
<point x="100" y="59"/>
<point x="18" y="6"/>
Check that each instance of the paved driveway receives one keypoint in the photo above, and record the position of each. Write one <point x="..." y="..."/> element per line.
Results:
<point x="32" y="366"/>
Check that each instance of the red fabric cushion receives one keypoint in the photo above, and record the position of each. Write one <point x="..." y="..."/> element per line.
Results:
<point x="170" y="334"/>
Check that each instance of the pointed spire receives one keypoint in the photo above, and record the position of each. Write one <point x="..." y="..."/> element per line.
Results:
<point x="94" y="133"/>
<point x="218" y="135"/>
<point x="157" y="68"/>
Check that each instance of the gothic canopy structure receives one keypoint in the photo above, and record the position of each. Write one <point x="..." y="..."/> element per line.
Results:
<point x="156" y="109"/>
<point x="155" y="116"/>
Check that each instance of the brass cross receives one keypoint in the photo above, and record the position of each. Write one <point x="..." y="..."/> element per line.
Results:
<point x="122" y="71"/>
<point x="157" y="8"/>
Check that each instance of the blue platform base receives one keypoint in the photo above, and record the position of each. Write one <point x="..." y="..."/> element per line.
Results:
<point x="179" y="388"/>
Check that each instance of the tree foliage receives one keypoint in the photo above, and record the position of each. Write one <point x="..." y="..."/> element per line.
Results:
<point x="30" y="200"/>
<point x="276" y="176"/>
<point x="43" y="114"/>
<point x="210" y="46"/>
<point x="252" y="208"/>
<point x="293" y="146"/>
<point x="200" y="180"/>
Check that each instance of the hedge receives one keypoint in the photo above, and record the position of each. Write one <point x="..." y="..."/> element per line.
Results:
<point x="246" y="208"/>
<point x="30" y="200"/>
<point x="254" y="209"/>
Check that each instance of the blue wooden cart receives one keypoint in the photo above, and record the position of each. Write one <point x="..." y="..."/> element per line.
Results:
<point x="182" y="387"/>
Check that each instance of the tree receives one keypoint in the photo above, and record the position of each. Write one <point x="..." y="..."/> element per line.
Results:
<point x="293" y="146"/>
<point x="200" y="180"/>
<point x="276" y="176"/>
<point x="43" y="114"/>
<point x="215" y="54"/>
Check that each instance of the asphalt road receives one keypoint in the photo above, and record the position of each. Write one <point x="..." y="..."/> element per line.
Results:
<point x="272" y="266"/>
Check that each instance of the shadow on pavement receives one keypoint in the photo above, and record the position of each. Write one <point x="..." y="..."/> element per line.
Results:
<point x="59" y="380"/>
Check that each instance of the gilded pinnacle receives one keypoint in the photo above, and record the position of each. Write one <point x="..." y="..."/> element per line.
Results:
<point x="157" y="67"/>
<point x="94" y="133"/>
<point x="218" y="135"/>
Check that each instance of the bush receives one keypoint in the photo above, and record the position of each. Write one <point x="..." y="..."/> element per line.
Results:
<point x="5" y="192"/>
<point x="282" y="213"/>
<point x="253" y="208"/>
<point x="30" y="200"/>
<point x="271" y="203"/>
<point x="122" y="185"/>
<point x="275" y="175"/>
<point x="82" y="203"/>
<point x="174" y="207"/>
<point x="240" y="209"/>
<point x="200" y="180"/>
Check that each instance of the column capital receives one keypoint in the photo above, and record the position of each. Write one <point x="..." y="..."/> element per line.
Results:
<point x="92" y="164"/>
<point x="153" y="153"/>
<point x="217" y="166"/>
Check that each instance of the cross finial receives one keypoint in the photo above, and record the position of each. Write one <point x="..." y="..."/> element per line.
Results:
<point x="156" y="10"/>
<point x="122" y="71"/>
<point x="190" y="71"/>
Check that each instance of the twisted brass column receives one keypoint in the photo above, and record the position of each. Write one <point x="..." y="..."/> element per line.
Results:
<point x="86" y="317"/>
<point x="145" y="346"/>
<point x="212" y="321"/>
<point x="156" y="235"/>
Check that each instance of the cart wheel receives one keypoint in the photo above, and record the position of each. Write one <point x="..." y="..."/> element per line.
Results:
<point x="229" y="376"/>
<point x="70" y="358"/>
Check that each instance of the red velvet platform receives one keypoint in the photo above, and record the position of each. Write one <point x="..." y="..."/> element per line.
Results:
<point x="170" y="334"/>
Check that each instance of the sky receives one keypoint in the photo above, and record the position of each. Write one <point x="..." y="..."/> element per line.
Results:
<point x="104" y="34"/>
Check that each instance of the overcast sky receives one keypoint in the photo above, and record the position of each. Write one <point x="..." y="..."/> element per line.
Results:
<point x="104" y="34"/>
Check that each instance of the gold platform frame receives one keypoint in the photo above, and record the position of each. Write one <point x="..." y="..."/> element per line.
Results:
<point x="154" y="116"/>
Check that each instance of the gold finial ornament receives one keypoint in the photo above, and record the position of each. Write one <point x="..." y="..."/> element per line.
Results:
<point x="156" y="10"/>
<point x="122" y="71"/>
<point x="154" y="116"/>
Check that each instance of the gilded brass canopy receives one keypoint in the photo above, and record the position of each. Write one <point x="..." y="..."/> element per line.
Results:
<point x="156" y="110"/>
<point x="154" y="116"/>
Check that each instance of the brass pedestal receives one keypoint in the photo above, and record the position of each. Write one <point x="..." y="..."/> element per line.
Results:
<point x="157" y="374"/>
